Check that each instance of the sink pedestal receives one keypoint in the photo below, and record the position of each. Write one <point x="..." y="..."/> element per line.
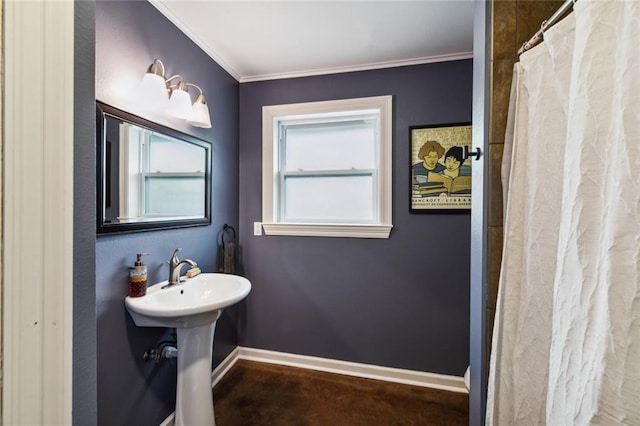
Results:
<point x="194" y="397"/>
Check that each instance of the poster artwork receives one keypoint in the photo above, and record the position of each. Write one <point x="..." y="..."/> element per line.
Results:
<point x="440" y="167"/>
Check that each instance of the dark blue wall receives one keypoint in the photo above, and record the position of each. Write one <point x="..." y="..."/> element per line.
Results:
<point x="401" y="302"/>
<point x="129" y="35"/>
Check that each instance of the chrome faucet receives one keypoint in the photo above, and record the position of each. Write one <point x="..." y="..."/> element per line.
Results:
<point x="175" y="265"/>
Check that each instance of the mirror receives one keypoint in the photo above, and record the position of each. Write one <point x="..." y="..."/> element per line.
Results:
<point x="149" y="176"/>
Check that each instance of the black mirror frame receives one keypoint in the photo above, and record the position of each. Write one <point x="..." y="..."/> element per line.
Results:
<point x="103" y="228"/>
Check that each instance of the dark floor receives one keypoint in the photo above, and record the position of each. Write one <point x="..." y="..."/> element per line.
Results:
<point x="254" y="393"/>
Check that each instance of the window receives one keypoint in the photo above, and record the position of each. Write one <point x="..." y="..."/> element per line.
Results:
<point x="327" y="168"/>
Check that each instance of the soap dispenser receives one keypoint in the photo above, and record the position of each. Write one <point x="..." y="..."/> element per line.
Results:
<point x="138" y="277"/>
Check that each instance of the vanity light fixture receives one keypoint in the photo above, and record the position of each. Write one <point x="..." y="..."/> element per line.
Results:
<point x="158" y="91"/>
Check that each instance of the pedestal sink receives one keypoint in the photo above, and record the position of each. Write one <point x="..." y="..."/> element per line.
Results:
<point x="192" y="307"/>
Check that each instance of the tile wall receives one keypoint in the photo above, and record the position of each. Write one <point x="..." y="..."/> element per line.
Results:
<point x="513" y="23"/>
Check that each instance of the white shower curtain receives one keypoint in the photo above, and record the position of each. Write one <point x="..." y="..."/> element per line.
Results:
<point x="566" y="344"/>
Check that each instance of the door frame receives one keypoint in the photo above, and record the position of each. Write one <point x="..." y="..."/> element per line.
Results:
<point x="479" y="212"/>
<point x="37" y="222"/>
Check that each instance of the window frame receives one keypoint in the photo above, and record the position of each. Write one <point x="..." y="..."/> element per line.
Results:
<point x="274" y="115"/>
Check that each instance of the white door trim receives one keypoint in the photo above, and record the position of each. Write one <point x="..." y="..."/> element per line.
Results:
<point x="38" y="212"/>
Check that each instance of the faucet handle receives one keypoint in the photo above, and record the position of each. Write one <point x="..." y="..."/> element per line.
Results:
<point x="174" y="259"/>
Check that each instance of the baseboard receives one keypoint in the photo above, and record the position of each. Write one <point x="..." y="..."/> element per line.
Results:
<point x="388" y="374"/>
<point x="222" y="368"/>
<point x="367" y="371"/>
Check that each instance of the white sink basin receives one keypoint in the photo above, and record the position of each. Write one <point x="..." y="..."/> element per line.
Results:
<point x="193" y="308"/>
<point x="196" y="301"/>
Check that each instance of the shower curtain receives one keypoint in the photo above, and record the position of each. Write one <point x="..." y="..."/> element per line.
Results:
<point x="566" y="341"/>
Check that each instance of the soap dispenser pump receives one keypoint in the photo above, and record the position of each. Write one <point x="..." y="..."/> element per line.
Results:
<point x="138" y="277"/>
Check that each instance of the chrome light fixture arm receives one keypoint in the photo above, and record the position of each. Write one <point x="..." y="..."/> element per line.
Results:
<point x="153" y="68"/>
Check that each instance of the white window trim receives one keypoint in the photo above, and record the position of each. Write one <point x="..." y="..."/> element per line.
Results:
<point x="273" y="113"/>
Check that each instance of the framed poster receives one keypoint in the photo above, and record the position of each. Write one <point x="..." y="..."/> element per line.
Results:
<point x="440" y="167"/>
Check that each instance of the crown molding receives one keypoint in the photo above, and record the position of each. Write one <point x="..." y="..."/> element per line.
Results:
<point x="362" y="67"/>
<point x="168" y="13"/>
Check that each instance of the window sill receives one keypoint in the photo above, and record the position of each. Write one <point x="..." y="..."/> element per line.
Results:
<point x="327" y="230"/>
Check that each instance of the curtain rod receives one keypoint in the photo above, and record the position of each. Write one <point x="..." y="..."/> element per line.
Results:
<point x="537" y="37"/>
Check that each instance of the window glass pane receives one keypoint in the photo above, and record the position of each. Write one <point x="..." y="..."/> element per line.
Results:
<point x="181" y="196"/>
<point x="171" y="155"/>
<point x="328" y="198"/>
<point x="331" y="146"/>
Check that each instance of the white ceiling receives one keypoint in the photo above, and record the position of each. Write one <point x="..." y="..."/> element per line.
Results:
<point x="261" y="40"/>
